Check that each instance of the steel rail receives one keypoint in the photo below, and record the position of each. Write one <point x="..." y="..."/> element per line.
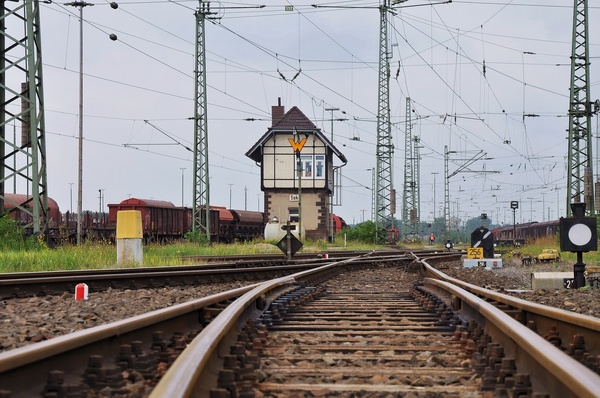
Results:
<point x="566" y="323"/>
<point x="184" y="377"/>
<point x="187" y="377"/>
<point x="57" y="282"/>
<point x="50" y="354"/>
<point x="567" y="372"/>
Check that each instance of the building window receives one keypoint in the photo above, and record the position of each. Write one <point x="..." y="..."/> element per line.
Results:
<point x="320" y="166"/>
<point x="313" y="166"/>
<point x="307" y="166"/>
<point x="293" y="214"/>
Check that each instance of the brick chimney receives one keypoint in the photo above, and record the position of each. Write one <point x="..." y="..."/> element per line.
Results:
<point x="277" y="112"/>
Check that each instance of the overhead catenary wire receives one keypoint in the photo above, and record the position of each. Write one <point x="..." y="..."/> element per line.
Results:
<point x="302" y="89"/>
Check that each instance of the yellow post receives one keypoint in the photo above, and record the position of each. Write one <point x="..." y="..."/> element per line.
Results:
<point x="129" y="237"/>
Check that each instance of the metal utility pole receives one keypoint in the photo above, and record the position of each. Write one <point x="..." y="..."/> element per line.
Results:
<point x="373" y="194"/>
<point x="385" y="195"/>
<point x="23" y="104"/>
<point x="409" y="197"/>
<point x="580" y="186"/>
<point x="434" y="203"/>
<point x="330" y="225"/>
<point x="182" y="180"/>
<point x="446" y="190"/>
<point x="81" y="5"/>
<point x="463" y="168"/>
<point x="201" y="186"/>
<point x="417" y="185"/>
<point x="385" y="149"/>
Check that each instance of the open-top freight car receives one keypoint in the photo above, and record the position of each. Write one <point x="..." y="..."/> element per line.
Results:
<point x="162" y="221"/>
<point x="15" y="205"/>
<point x="520" y="234"/>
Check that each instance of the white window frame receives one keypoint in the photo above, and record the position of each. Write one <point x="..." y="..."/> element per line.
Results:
<point x="319" y="167"/>
<point x="311" y="164"/>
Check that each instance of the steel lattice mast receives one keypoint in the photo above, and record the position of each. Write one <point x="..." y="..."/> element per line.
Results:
<point x="409" y="198"/>
<point x="580" y="175"/>
<point x="416" y="186"/>
<point x="22" y="102"/>
<point x="446" y="192"/>
<point x="385" y="149"/>
<point x="201" y="186"/>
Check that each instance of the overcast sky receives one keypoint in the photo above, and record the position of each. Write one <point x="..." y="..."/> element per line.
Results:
<point x="513" y="109"/>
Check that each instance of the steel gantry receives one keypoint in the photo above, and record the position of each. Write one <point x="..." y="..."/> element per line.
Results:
<point x="22" y="103"/>
<point x="580" y="175"/>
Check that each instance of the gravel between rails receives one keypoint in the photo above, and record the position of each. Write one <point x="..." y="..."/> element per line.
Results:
<point x="513" y="276"/>
<point x="30" y="320"/>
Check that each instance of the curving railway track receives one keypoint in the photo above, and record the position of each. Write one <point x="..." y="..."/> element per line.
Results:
<point x="361" y="326"/>
<point x="206" y="269"/>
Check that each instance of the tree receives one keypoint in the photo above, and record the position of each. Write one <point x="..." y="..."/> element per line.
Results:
<point x="365" y="232"/>
<point x="476" y="222"/>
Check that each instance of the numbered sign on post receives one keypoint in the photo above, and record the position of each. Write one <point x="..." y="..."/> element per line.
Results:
<point x="475" y="252"/>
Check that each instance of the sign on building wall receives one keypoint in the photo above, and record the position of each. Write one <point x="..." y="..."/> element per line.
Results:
<point x="294" y="197"/>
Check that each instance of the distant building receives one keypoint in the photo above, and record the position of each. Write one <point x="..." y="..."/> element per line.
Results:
<point x="276" y="154"/>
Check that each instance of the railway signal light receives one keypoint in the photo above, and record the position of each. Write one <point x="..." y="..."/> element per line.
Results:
<point x="483" y="237"/>
<point x="578" y="234"/>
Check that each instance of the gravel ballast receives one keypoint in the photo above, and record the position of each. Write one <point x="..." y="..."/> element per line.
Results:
<point x="29" y="320"/>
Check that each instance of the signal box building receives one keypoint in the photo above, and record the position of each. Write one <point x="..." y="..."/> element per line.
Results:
<point x="294" y="140"/>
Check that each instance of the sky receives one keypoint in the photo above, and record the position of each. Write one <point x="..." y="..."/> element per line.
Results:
<point x="487" y="79"/>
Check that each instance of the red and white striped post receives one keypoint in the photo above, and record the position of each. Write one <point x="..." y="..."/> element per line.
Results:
<point x="81" y="291"/>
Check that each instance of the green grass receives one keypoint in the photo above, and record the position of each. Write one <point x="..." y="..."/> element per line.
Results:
<point x="534" y="248"/>
<point x="64" y="258"/>
<point x="100" y="256"/>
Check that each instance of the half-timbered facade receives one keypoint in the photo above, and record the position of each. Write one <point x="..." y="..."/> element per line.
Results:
<point x="297" y="171"/>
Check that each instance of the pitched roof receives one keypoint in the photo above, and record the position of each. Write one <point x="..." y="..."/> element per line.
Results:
<point x="292" y="120"/>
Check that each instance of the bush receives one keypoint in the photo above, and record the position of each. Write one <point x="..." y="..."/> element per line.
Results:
<point x="11" y="234"/>
<point x="197" y="236"/>
<point x="365" y="232"/>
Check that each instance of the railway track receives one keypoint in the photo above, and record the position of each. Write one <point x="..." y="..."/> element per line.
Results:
<point x="309" y="351"/>
<point x="352" y="325"/>
<point x="210" y="269"/>
<point x="381" y="340"/>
